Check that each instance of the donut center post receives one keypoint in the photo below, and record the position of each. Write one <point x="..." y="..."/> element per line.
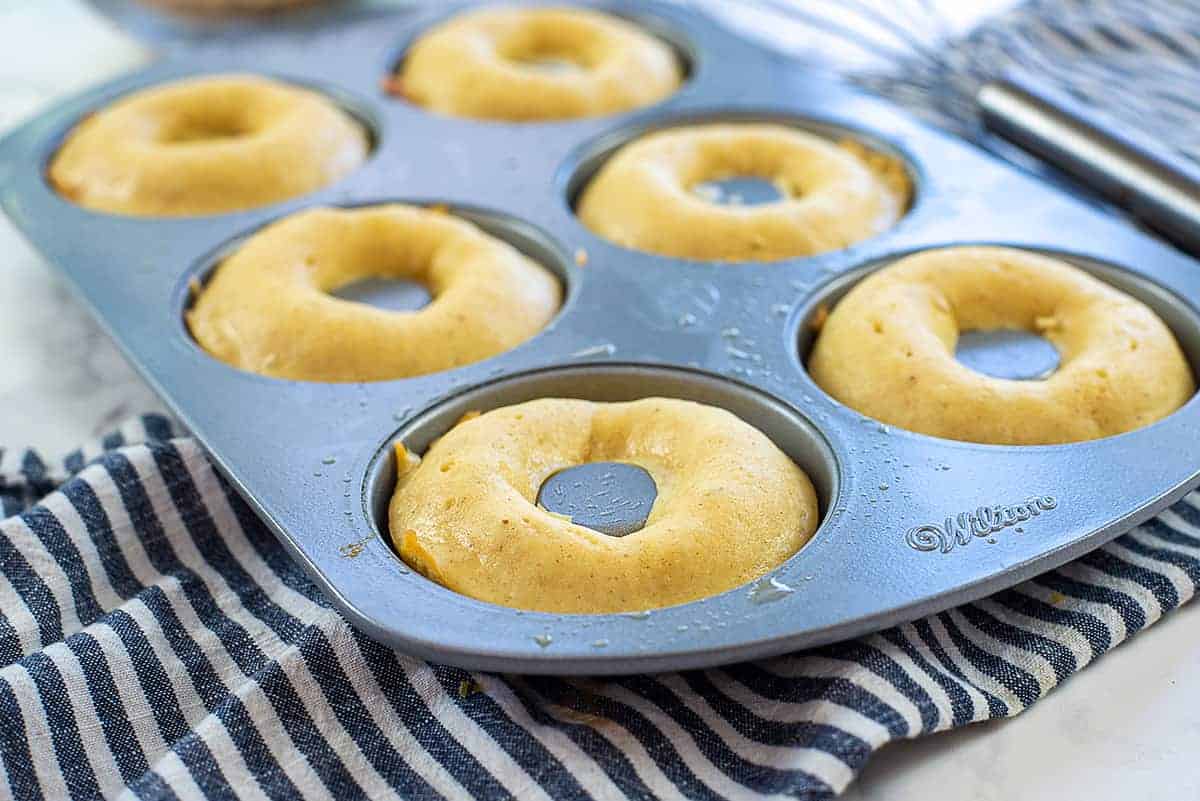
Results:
<point x="210" y="125"/>
<point x="1007" y="353"/>
<point x="613" y="498"/>
<point x="739" y="190"/>
<point x="389" y="294"/>
<point x="550" y="64"/>
<point x="205" y="133"/>
<point x="547" y="53"/>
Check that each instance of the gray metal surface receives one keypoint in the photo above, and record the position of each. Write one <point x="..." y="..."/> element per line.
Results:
<point x="392" y="294"/>
<point x="613" y="498"/>
<point x="1122" y="165"/>
<point x="911" y="524"/>
<point x="1007" y="353"/>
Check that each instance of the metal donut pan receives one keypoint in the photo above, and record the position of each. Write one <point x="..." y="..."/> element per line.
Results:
<point x="911" y="524"/>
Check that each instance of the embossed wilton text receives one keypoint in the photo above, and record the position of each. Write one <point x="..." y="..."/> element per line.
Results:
<point x="983" y="522"/>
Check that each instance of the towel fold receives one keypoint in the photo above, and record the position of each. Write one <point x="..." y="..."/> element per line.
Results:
<point x="156" y="640"/>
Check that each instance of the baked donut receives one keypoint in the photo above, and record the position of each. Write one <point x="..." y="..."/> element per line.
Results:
<point x="525" y="64"/>
<point x="645" y="197"/>
<point x="887" y="350"/>
<point x="206" y="146"/>
<point x="731" y="506"/>
<point x="266" y="309"/>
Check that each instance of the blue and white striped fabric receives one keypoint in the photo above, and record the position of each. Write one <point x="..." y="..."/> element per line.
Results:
<point x="157" y="643"/>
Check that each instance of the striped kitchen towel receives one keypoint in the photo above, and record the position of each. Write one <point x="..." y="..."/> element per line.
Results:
<point x="156" y="642"/>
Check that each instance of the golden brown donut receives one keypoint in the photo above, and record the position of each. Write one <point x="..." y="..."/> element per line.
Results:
<point x="519" y="64"/>
<point x="267" y="307"/>
<point x="645" y="197"/>
<point x="206" y="146"/>
<point x="731" y="506"/>
<point x="887" y="350"/>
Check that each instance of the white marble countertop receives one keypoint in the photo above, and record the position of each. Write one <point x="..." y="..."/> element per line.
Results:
<point x="1126" y="727"/>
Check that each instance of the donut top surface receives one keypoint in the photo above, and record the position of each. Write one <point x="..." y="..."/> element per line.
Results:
<point x="267" y="307"/>
<point x="207" y="146"/>
<point x="887" y="350"/>
<point x="645" y="197"/>
<point x="524" y="64"/>
<point x="730" y="506"/>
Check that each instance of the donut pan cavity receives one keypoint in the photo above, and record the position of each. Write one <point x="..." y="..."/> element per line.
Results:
<point x="911" y="524"/>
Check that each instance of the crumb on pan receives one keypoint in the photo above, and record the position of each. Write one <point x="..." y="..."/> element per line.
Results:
<point x="819" y="317"/>
<point x="392" y="85"/>
<point x="406" y="460"/>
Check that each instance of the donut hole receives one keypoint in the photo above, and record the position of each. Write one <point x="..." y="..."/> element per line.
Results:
<point x="391" y="268"/>
<point x="737" y="176"/>
<point x="1010" y="353"/>
<point x="549" y="50"/>
<point x="614" y="498"/>
<point x="783" y="425"/>
<point x="550" y="63"/>
<point x="386" y="293"/>
<point x="742" y="190"/>
<point x="221" y="124"/>
<point x="997" y="337"/>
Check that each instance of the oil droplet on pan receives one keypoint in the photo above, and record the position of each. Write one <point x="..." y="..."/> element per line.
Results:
<point x="768" y="589"/>
<point x="607" y="349"/>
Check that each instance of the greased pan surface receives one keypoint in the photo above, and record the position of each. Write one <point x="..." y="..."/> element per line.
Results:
<point x="314" y="459"/>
